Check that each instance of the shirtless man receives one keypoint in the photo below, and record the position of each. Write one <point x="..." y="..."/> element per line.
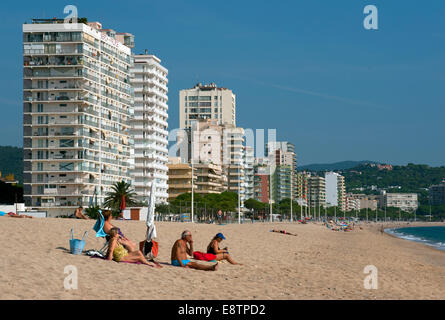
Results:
<point x="181" y="249"/>
<point x="79" y="215"/>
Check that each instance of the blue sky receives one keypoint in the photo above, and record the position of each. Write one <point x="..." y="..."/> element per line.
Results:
<point x="307" y="68"/>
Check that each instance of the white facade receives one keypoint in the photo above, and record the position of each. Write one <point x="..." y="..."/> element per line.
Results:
<point x="404" y="201"/>
<point x="204" y="102"/>
<point x="149" y="127"/>
<point x="335" y="190"/>
<point x="249" y="172"/>
<point x="77" y="108"/>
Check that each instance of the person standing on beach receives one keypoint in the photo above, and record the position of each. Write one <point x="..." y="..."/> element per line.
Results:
<point x="183" y="247"/>
<point x="219" y="214"/>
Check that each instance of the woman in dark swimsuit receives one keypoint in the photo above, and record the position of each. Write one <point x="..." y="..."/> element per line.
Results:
<point x="221" y="254"/>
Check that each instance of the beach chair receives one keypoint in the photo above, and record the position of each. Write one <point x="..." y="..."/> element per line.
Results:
<point x="100" y="233"/>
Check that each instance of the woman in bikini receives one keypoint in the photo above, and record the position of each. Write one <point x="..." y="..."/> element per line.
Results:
<point x="127" y="243"/>
<point x="221" y="254"/>
<point x="118" y="253"/>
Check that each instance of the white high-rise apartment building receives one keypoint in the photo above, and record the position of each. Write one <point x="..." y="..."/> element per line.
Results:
<point x="149" y="127"/>
<point x="234" y="159"/>
<point x="249" y="172"/>
<point x="207" y="102"/>
<point x="77" y="107"/>
<point x="335" y="190"/>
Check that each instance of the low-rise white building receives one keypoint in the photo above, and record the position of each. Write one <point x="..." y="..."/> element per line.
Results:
<point x="404" y="201"/>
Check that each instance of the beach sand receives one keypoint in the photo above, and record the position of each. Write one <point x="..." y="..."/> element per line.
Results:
<point x="316" y="264"/>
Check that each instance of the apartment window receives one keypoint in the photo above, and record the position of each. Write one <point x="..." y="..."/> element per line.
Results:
<point x="40" y="107"/>
<point x="205" y="98"/>
<point x="205" y="104"/>
<point x="193" y="98"/>
<point x="33" y="37"/>
<point x="67" y="143"/>
<point x="66" y="166"/>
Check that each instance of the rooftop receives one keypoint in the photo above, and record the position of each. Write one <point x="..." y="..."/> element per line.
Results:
<point x="208" y="87"/>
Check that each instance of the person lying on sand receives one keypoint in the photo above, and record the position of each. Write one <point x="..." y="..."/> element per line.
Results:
<point x="15" y="215"/>
<point x="118" y="253"/>
<point x="283" y="231"/>
<point x="180" y="250"/>
<point x="221" y="254"/>
<point x="127" y="243"/>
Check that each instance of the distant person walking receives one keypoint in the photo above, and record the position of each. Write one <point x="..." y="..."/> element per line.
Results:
<point x="219" y="216"/>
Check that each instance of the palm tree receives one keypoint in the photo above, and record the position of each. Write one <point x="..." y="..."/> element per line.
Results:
<point x="121" y="190"/>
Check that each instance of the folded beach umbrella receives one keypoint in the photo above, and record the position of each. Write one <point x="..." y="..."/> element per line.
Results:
<point x="151" y="228"/>
<point x="122" y="207"/>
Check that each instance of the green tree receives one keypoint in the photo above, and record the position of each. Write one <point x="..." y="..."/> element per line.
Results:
<point x="92" y="212"/>
<point x="120" y="190"/>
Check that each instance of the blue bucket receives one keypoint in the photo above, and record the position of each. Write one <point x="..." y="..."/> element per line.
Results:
<point x="76" y="245"/>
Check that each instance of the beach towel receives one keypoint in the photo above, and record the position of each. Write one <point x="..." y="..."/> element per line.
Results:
<point x="104" y="258"/>
<point x="98" y="227"/>
<point x="150" y="249"/>
<point x="198" y="255"/>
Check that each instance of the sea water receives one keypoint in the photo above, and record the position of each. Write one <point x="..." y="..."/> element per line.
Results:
<point x="432" y="236"/>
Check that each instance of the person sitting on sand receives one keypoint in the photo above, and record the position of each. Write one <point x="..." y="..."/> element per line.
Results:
<point x="221" y="254"/>
<point x="79" y="215"/>
<point x="118" y="253"/>
<point x="180" y="250"/>
<point x="283" y="231"/>
<point x="127" y="243"/>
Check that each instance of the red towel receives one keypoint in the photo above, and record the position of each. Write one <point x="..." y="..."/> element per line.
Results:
<point x="203" y="256"/>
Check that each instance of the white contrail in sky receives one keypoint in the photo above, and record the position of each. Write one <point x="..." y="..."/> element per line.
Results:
<point x="326" y="96"/>
<point x="315" y="94"/>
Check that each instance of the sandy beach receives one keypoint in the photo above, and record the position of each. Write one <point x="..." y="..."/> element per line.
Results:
<point x="316" y="264"/>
